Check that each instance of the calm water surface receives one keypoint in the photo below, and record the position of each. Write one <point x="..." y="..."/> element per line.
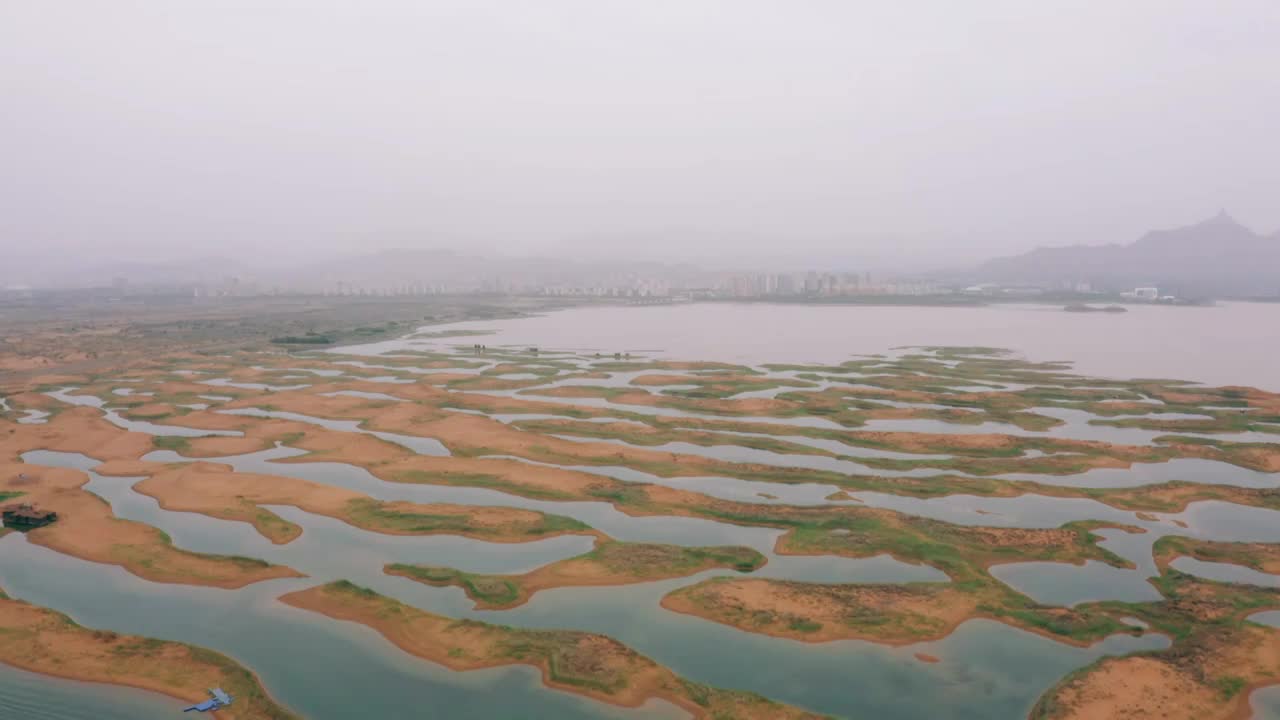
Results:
<point x="1148" y="341"/>
<point x="841" y="678"/>
<point x="31" y="696"/>
<point x="336" y="670"/>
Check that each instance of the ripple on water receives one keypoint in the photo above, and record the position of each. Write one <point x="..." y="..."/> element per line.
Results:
<point x="32" y="696"/>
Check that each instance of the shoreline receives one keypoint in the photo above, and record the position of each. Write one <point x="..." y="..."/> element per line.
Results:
<point x="298" y="599"/>
<point x="655" y="680"/>
<point x="99" y="655"/>
<point x="126" y="683"/>
<point x="585" y="570"/>
<point x="1237" y="707"/>
<point x="478" y="446"/>
<point x="198" y="582"/>
<point x="901" y="643"/>
<point x="1055" y="307"/>
<point x="100" y="536"/>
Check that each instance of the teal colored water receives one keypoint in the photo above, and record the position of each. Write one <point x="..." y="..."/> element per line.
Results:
<point x="249" y="625"/>
<point x="332" y="670"/>
<point x="1062" y="584"/>
<point x="31" y="696"/>
<point x="325" y="669"/>
<point x="331" y="549"/>
<point x="319" y="668"/>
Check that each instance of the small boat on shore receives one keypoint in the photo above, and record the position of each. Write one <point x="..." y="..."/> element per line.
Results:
<point x="24" y="516"/>
<point x="218" y="698"/>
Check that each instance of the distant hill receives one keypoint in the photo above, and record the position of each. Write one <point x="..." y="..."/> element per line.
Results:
<point x="1216" y="257"/>
<point x="458" y="271"/>
<point x="390" y="269"/>
<point x="70" y="270"/>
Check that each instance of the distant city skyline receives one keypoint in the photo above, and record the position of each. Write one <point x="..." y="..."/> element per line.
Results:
<point x="1225" y="257"/>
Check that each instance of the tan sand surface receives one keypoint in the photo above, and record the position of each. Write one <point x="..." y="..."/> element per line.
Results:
<point x="1171" y="686"/>
<point x="48" y="642"/>
<point x="218" y="491"/>
<point x="592" y="665"/>
<point x="87" y="529"/>
<point x="611" y="563"/>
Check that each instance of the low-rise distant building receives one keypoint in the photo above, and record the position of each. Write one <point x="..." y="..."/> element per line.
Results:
<point x="1022" y="291"/>
<point x="981" y="289"/>
<point x="1147" y="294"/>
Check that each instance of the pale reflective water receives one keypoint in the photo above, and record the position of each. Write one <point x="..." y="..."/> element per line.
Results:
<point x="248" y="625"/>
<point x="320" y="668"/>
<point x="338" y="670"/>
<point x="1226" y="344"/>
<point x="334" y="670"/>
<point x="1062" y="584"/>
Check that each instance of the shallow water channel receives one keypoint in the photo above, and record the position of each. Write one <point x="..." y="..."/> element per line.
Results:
<point x="328" y="669"/>
<point x="987" y="667"/>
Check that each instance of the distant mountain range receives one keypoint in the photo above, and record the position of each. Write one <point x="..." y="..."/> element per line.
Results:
<point x="459" y="271"/>
<point x="1216" y="257"/>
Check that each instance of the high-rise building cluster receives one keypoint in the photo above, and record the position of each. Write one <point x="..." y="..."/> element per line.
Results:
<point x="821" y="284"/>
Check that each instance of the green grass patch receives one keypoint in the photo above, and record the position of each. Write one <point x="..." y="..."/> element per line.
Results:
<point x="171" y="442"/>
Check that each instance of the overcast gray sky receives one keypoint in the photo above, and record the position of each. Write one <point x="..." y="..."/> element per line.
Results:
<point x="650" y="126"/>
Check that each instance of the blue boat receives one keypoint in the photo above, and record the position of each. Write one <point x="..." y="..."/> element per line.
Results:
<point x="219" y="699"/>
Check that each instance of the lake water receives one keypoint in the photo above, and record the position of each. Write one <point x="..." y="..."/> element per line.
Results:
<point x="27" y="696"/>
<point x="1231" y="343"/>
<point x="325" y="669"/>
<point x="335" y="670"/>
<point x="249" y="625"/>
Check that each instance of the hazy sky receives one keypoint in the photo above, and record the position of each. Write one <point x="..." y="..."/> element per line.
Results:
<point x="688" y="127"/>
